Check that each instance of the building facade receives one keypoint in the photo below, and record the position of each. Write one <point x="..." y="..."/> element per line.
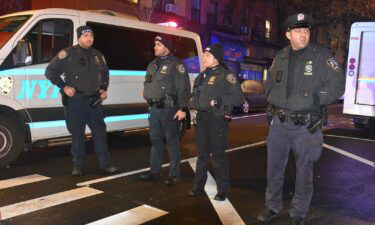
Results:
<point x="246" y="28"/>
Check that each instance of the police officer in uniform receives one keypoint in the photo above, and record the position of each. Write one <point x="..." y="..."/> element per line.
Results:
<point x="304" y="78"/>
<point x="84" y="86"/>
<point x="167" y="91"/>
<point x="216" y="90"/>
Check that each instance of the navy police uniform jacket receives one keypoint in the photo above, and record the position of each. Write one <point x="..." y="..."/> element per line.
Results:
<point x="83" y="69"/>
<point x="318" y="80"/>
<point x="167" y="76"/>
<point x="218" y="84"/>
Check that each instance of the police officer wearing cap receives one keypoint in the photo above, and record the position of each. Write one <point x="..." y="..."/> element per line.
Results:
<point x="304" y="78"/>
<point x="84" y="86"/>
<point x="167" y="91"/>
<point x="216" y="91"/>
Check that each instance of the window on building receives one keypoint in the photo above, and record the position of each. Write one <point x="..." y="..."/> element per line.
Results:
<point x="46" y="39"/>
<point x="138" y="49"/>
<point x="160" y="4"/>
<point x="196" y="10"/>
<point x="268" y="29"/>
<point x="212" y="14"/>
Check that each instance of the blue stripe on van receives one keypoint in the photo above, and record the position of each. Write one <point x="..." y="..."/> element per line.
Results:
<point x="30" y="72"/>
<point x="109" y="119"/>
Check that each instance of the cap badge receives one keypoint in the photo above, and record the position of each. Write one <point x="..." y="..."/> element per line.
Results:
<point x="300" y="17"/>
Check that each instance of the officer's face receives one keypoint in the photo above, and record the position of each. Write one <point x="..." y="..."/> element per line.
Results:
<point x="299" y="37"/>
<point x="209" y="60"/>
<point x="160" y="49"/>
<point x="86" y="40"/>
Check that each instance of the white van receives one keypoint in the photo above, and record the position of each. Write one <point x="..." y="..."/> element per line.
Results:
<point x="359" y="98"/>
<point x="30" y="106"/>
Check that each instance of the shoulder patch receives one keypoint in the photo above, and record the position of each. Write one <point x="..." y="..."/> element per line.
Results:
<point x="105" y="62"/>
<point x="231" y="78"/>
<point x="62" y="54"/>
<point x="333" y="64"/>
<point x="181" y="68"/>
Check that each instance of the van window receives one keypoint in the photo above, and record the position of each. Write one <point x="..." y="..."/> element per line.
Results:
<point x="9" y="26"/>
<point x="133" y="49"/>
<point x="45" y="39"/>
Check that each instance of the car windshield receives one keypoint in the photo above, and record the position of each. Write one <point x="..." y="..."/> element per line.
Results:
<point x="9" y="26"/>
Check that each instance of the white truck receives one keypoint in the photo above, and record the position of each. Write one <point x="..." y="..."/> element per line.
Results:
<point x="30" y="106"/>
<point x="359" y="98"/>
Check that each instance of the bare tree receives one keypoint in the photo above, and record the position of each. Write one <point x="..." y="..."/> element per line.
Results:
<point x="144" y="9"/>
<point x="328" y="12"/>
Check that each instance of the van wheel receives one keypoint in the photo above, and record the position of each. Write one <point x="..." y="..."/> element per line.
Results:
<point x="12" y="137"/>
<point x="245" y="106"/>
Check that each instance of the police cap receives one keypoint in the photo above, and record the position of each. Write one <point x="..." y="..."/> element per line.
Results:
<point x="299" y="20"/>
<point x="83" y="29"/>
<point x="165" y="40"/>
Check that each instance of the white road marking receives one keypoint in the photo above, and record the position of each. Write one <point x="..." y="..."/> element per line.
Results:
<point x="255" y="115"/>
<point x="135" y="216"/>
<point x="346" y="137"/>
<point x="86" y="183"/>
<point x="224" y="209"/>
<point x="21" y="180"/>
<point x="44" y="202"/>
<point x="350" y="155"/>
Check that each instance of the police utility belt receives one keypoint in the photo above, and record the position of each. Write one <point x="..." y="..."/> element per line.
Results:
<point x="160" y="103"/>
<point x="312" y="119"/>
<point x="297" y="118"/>
<point x="93" y="99"/>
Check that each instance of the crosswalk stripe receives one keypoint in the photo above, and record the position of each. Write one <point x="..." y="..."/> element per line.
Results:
<point x="102" y="179"/>
<point x="350" y="155"/>
<point x="46" y="201"/>
<point x="21" y="180"/>
<point x="135" y="216"/>
<point x="227" y="214"/>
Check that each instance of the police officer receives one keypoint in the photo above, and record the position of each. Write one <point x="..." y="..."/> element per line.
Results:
<point x="167" y="91"/>
<point x="84" y="86"/>
<point x="304" y="78"/>
<point x="216" y="90"/>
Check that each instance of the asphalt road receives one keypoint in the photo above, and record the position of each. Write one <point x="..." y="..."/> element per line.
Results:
<point x="38" y="188"/>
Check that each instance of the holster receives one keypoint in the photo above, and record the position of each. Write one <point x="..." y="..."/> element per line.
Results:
<point x="64" y="97"/>
<point x="170" y="100"/>
<point x="158" y="103"/>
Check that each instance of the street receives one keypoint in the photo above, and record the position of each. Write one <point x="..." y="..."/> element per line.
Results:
<point x="38" y="188"/>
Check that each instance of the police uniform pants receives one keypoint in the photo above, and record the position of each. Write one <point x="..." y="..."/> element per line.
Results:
<point x="211" y="137"/>
<point x="78" y="114"/>
<point x="164" y="129"/>
<point x="306" y="148"/>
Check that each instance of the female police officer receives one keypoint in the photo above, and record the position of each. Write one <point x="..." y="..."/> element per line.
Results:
<point x="216" y="90"/>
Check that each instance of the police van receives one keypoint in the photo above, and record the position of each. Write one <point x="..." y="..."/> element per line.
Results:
<point x="359" y="98"/>
<point x="31" y="111"/>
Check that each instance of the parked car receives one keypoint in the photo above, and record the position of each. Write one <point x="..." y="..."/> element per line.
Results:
<point x="254" y="97"/>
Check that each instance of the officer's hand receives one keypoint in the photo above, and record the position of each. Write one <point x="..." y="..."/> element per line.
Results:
<point x="103" y="94"/>
<point x="180" y="115"/>
<point x="69" y="91"/>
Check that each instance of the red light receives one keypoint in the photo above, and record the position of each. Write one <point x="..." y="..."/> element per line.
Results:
<point x="351" y="67"/>
<point x="352" y="60"/>
<point x="169" y="24"/>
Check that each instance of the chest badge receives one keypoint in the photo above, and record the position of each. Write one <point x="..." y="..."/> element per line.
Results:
<point x="308" y="68"/>
<point x="211" y="81"/>
<point x="164" y="69"/>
